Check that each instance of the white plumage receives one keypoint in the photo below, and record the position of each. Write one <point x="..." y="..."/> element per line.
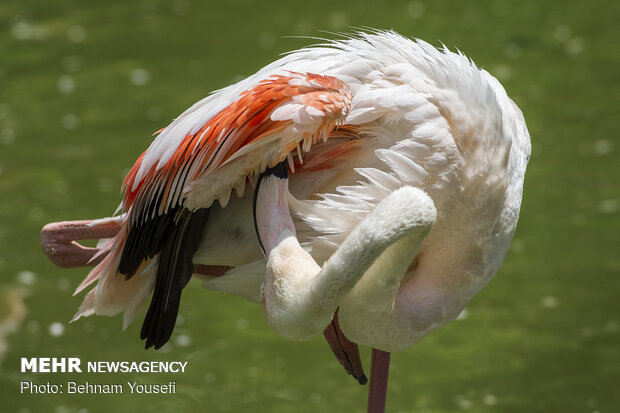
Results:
<point x="405" y="177"/>
<point x="429" y="119"/>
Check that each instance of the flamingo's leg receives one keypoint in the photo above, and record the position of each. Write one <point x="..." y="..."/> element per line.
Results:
<point x="377" y="392"/>
<point x="59" y="241"/>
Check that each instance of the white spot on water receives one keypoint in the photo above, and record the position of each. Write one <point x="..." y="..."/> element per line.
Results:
<point x="463" y="402"/>
<point x="549" y="301"/>
<point x="56" y="329"/>
<point x="139" y="77"/>
<point x="182" y="340"/>
<point x="608" y="206"/>
<point x="66" y="84"/>
<point x="575" y="46"/>
<point x="76" y="34"/>
<point x="602" y="147"/>
<point x="416" y="9"/>
<point x="69" y="121"/>
<point x="490" y="400"/>
<point x="242" y="324"/>
<point x="27" y="277"/>
<point x="22" y="29"/>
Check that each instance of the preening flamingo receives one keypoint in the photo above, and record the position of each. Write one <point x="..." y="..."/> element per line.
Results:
<point x="374" y="177"/>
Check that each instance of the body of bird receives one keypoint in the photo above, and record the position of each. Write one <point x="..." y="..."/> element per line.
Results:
<point x="382" y="176"/>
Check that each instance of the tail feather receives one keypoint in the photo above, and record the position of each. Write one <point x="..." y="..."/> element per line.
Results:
<point x="154" y="256"/>
<point x="105" y="265"/>
<point x="112" y="293"/>
<point x="87" y="307"/>
<point x="140" y="296"/>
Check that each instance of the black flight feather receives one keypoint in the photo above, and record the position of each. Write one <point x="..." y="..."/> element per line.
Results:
<point x="174" y="235"/>
<point x="146" y="237"/>
<point x="174" y="271"/>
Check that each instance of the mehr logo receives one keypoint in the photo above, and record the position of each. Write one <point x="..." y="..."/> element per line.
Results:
<point x="72" y="364"/>
<point x="51" y="365"/>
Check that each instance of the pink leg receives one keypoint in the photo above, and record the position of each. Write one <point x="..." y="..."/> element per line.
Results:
<point x="345" y="350"/>
<point x="58" y="240"/>
<point x="59" y="243"/>
<point x="211" y="270"/>
<point x="379" y="370"/>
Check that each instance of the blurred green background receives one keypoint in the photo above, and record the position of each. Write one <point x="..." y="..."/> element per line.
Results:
<point x="84" y="84"/>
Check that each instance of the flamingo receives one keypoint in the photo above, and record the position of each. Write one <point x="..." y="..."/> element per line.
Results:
<point x="377" y="185"/>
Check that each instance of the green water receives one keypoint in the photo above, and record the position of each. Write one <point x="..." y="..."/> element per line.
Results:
<point x="84" y="84"/>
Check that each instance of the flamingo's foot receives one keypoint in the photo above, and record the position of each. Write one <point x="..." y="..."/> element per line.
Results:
<point x="59" y="241"/>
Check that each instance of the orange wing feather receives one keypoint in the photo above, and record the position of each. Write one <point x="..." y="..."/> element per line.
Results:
<point x="245" y="121"/>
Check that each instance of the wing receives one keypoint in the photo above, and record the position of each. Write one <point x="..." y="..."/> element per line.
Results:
<point x="257" y="130"/>
<point x="171" y="186"/>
